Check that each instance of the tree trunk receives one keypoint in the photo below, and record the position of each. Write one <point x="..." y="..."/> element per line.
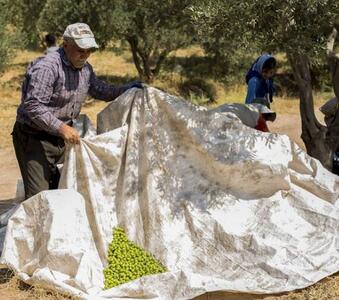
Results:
<point x="142" y="61"/>
<point x="148" y="64"/>
<point x="333" y="61"/>
<point x="134" y="48"/>
<point x="313" y="133"/>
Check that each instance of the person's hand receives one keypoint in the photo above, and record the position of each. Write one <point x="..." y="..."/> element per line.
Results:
<point x="134" y="84"/>
<point x="69" y="134"/>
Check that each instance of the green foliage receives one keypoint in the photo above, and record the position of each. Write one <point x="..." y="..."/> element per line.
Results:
<point x="152" y="31"/>
<point x="271" y="25"/>
<point x="8" y="41"/>
<point x="4" y="46"/>
<point x="228" y="30"/>
<point x="24" y="16"/>
<point x="198" y="91"/>
<point x="127" y="261"/>
<point x="232" y="68"/>
<point x="222" y="34"/>
<point x="165" y="23"/>
<point x="296" y="26"/>
<point x="293" y="26"/>
<point x="56" y="15"/>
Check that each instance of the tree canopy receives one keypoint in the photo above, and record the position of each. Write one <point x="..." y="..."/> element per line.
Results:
<point x="8" y="38"/>
<point x="24" y="16"/>
<point x="289" y="26"/>
<point x="226" y="30"/>
<point x="152" y="31"/>
<point x="300" y="28"/>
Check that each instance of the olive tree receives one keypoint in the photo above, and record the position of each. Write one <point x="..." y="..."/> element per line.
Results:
<point x="332" y="136"/>
<point x="23" y="15"/>
<point x="300" y="28"/>
<point x="152" y="31"/>
<point x="56" y="15"/>
<point x="8" y="39"/>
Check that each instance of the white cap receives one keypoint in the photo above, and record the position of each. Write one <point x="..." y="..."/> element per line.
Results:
<point x="82" y="35"/>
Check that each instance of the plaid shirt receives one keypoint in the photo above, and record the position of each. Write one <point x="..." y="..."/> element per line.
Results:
<point x="53" y="92"/>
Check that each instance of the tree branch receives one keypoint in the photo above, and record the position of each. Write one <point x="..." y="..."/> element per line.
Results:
<point x="313" y="133"/>
<point x="133" y="44"/>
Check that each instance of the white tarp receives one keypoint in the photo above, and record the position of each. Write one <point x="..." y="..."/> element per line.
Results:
<point x="221" y="205"/>
<point x="247" y="113"/>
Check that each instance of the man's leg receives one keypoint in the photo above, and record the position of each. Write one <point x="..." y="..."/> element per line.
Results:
<point x="19" y="143"/>
<point x="37" y="160"/>
<point x="54" y="150"/>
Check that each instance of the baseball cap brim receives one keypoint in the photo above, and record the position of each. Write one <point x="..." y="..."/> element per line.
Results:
<point x="86" y="43"/>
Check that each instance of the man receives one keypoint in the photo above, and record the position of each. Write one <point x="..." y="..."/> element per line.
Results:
<point x="50" y="41"/>
<point x="54" y="88"/>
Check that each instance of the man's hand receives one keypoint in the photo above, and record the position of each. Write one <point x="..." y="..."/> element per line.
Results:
<point x="69" y="134"/>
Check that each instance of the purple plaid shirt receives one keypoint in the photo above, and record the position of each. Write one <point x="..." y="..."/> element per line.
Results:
<point x="53" y="92"/>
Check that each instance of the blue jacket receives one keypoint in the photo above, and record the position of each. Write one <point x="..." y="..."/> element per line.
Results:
<point x="258" y="87"/>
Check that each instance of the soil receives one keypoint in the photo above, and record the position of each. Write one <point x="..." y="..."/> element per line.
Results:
<point x="9" y="174"/>
<point x="290" y="125"/>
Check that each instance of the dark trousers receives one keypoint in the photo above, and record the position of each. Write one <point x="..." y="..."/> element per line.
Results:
<point x="38" y="154"/>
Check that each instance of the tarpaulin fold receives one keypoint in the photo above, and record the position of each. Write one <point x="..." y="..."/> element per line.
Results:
<point x="221" y="205"/>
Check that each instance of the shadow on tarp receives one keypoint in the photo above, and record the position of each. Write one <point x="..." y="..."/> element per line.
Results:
<point x="6" y="205"/>
<point x="234" y="296"/>
<point x="220" y="295"/>
<point x="7" y="209"/>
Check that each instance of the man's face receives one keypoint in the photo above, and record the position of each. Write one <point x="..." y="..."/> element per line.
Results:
<point x="76" y="55"/>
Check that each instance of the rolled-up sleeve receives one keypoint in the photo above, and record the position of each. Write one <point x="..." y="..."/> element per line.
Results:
<point x="38" y="95"/>
<point x="101" y="90"/>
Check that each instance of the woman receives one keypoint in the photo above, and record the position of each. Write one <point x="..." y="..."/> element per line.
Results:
<point x="259" y="80"/>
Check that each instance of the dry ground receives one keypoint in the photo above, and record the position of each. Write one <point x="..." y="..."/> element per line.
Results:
<point x="120" y="69"/>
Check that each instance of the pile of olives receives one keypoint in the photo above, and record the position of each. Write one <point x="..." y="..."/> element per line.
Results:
<point x="127" y="261"/>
